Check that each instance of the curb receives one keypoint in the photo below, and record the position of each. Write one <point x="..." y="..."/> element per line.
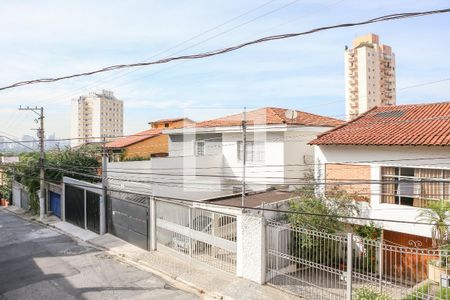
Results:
<point x="175" y="281"/>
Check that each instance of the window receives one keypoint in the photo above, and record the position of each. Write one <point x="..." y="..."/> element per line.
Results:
<point x="166" y="125"/>
<point x="254" y="151"/>
<point x="414" y="186"/>
<point x="199" y="148"/>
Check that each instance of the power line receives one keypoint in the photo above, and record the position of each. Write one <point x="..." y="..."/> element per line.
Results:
<point x="233" y="129"/>
<point x="188" y="40"/>
<point x="259" y="208"/>
<point x="389" y="17"/>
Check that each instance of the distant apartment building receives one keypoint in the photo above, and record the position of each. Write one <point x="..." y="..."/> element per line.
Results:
<point x="94" y="116"/>
<point x="369" y="75"/>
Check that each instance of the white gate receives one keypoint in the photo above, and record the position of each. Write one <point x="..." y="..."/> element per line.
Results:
<point x="207" y="236"/>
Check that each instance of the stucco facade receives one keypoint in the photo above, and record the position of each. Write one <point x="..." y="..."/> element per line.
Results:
<point x="375" y="158"/>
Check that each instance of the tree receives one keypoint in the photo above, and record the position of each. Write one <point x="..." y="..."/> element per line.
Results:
<point x="438" y="215"/>
<point x="81" y="163"/>
<point x="320" y="212"/>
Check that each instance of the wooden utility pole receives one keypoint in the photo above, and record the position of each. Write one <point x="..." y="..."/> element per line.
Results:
<point x="41" y="135"/>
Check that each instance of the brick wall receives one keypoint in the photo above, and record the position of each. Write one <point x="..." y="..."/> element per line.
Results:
<point x="158" y="144"/>
<point x="336" y="174"/>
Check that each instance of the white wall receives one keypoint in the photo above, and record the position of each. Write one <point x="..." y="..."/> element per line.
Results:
<point x="298" y="155"/>
<point x="133" y="176"/>
<point x="377" y="156"/>
<point x="184" y="177"/>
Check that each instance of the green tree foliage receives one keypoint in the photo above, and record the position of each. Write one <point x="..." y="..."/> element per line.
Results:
<point x="366" y="293"/>
<point x="438" y="214"/>
<point x="369" y="231"/>
<point x="337" y="202"/>
<point x="81" y="163"/>
<point x="319" y="214"/>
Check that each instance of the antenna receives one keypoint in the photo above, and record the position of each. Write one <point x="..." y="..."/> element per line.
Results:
<point x="291" y="114"/>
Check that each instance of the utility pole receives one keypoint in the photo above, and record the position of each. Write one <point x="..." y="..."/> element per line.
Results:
<point x="244" y="154"/>
<point x="104" y="188"/>
<point x="40" y="112"/>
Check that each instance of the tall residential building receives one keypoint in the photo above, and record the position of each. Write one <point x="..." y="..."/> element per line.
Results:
<point x="94" y="116"/>
<point x="369" y="75"/>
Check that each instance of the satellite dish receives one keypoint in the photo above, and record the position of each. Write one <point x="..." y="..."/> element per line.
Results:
<point x="291" y="114"/>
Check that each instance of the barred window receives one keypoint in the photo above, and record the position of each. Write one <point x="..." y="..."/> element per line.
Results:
<point x="199" y="148"/>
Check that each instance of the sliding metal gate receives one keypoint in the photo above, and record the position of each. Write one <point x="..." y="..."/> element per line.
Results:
<point x="128" y="216"/>
<point x="74" y="201"/>
<point x="93" y="212"/>
<point x="207" y="236"/>
<point x="82" y="208"/>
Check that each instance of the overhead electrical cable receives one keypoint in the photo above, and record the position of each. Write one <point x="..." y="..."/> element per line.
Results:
<point x="384" y="18"/>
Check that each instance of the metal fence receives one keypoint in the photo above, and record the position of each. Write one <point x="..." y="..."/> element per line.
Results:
<point x="207" y="236"/>
<point x="319" y="265"/>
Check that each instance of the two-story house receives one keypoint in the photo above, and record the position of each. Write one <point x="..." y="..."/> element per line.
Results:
<point x="397" y="158"/>
<point x="206" y="159"/>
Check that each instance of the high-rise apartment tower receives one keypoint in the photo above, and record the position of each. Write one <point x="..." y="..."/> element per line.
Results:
<point x="369" y="75"/>
<point x="95" y="116"/>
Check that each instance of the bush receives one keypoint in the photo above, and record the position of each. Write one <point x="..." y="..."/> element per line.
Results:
<point x="369" y="294"/>
<point x="420" y="293"/>
<point x="443" y="293"/>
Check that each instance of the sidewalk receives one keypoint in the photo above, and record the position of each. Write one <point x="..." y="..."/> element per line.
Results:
<point x="214" y="284"/>
<point x="207" y="281"/>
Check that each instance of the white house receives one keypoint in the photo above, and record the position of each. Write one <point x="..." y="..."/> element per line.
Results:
<point x="395" y="157"/>
<point x="206" y="159"/>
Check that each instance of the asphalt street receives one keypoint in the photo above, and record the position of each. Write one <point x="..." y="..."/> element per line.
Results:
<point x="37" y="262"/>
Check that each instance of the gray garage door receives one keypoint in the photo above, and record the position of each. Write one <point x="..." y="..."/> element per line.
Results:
<point x="128" y="218"/>
<point x="24" y="199"/>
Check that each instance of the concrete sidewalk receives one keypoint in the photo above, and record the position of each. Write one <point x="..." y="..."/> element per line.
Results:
<point x="214" y="284"/>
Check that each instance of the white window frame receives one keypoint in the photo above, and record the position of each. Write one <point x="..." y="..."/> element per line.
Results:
<point x="200" y="151"/>
<point x="255" y="151"/>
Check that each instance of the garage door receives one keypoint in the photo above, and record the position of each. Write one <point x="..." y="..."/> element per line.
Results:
<point x="24" y="199"/>
<point x="74" y="205"/>
<point x="55" y="204"/>
<point x="128" y="218"/>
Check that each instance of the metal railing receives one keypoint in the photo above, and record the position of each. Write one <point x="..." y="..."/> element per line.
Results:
<point x="319" y="265"/>
<point x="207" y="236"/>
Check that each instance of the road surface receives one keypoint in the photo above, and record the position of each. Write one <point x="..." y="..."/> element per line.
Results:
<point x="37" y="262"/>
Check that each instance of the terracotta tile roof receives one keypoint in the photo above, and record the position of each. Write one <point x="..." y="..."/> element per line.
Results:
<point x="272" y="116"/>
<point x="171" y="120"/>
<point x="414" y="124"/>
<point x="132" y="139"/>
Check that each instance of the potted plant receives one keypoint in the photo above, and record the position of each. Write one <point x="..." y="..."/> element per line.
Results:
<point x="440" y="266"/>
<point x="3" y="199"/>
<point x="437" y="214"/>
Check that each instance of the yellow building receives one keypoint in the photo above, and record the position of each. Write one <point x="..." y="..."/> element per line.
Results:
<point x="145" y="144"/>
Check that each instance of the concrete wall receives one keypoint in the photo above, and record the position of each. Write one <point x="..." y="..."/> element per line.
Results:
<point x="174" y="177"/>
<point x="251" y="247"/>
<point x="133" y="176"/>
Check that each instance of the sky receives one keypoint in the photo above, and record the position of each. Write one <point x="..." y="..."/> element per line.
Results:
<point x="53" y="38"/>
